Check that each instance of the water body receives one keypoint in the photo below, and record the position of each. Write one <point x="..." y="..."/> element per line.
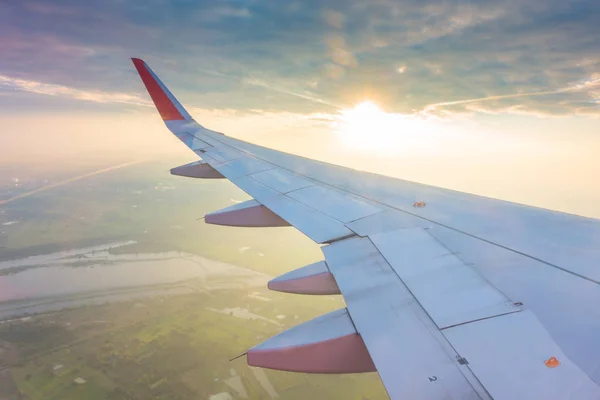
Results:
<point x="65" y="256"/>
<point x="94" y="275"/>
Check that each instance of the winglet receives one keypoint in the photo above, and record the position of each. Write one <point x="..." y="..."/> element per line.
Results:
<point x="167" y="105"/>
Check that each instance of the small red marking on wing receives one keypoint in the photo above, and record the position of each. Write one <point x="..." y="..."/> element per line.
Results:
<point x="163" y="104"/>
<point x="552" y="362"/>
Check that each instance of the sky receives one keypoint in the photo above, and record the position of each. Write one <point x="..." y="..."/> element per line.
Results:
<point x="500" y="98"/>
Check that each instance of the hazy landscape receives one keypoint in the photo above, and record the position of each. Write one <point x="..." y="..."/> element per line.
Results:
<point x="110" y="288"/>
<point x="113" y="287"/>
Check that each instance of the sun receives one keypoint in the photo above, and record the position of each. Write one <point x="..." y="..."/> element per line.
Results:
<point x="367" y="108"/>
<point x="368" y="127"/>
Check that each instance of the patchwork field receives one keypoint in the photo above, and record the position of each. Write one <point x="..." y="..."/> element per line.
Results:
<point x="174" y="347"/>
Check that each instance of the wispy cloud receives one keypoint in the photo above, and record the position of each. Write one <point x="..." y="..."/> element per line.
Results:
<point x="9" y="83"/>
<point x="254" y="81"/>
<point x="49" y="9"/>
<point x="306" y="95"/>
<point x="582" y="86"/>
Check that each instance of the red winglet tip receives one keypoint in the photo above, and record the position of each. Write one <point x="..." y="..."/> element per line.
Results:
<point x="168" y="111"/>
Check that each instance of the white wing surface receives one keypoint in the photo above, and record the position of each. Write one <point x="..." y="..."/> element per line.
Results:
<point x="449" y="295"/>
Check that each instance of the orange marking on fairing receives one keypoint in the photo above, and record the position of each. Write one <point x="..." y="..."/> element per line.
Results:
<point x="552" y="362"/>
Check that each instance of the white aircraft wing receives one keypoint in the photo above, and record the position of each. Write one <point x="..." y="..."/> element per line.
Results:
<point x="448" y="295"/>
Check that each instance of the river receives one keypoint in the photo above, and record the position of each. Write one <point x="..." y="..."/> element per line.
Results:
<point x="94" y="275"/>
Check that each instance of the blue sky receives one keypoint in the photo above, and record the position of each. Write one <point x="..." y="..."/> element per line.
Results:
<point x="437" y="57"/>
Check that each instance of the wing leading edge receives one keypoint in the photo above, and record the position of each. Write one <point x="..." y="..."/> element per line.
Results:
<point x="461" y="297"/>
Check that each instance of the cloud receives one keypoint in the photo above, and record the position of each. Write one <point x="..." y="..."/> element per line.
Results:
<point x="334" y="71"/>
<point x="306" y="95"/>
<point x="581" y="86"/>
<point x="335" y="19"/>
<point x="8" y="83"/>
<point x="303" y="57"/>
<point x="221" y="12"/>
<point x="49" y="8"/>
<point x="339" y="52"/>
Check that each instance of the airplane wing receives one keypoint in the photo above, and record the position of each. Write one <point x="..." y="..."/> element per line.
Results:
<point x="448" y="295"/>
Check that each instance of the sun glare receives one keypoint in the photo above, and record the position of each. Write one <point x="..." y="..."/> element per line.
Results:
<point x="368" y="127"/>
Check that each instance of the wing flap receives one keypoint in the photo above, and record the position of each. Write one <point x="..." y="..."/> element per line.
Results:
<point x="412" y="357"/>
<point x="515" y="358"/>
<point x="451" y="292"/>
<point x="564" y="303"/>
